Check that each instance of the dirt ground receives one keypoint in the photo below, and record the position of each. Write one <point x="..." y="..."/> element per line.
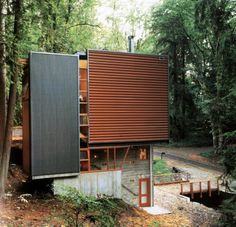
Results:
<point x="37" y="210"/>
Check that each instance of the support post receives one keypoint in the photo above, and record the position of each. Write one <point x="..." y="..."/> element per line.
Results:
<point x="209" y="188"/>
<point x="114" y="157"/>
<point x="191" y="190"/>
<point x="89" y="159"/>
<point x="126" y="153"/>
<point x="200" y="188"/>
<point x="107" y="158"/>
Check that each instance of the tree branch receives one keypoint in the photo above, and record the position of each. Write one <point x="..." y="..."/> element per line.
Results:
<point x="84" y="24"/>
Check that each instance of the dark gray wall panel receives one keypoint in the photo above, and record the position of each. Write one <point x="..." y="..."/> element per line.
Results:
<point x="54" y="114"/>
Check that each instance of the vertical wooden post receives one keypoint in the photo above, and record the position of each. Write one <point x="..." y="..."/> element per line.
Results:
<point x="200" y="188"/>
<point x="209" y="188"/>
<point x="181" y="189"/>
<point x="126" y="153"/>
<point x="191" y="190"/>
<point x="89" y="164"/>
<point x="115" y="157"/>
<point x="107" y="158"/>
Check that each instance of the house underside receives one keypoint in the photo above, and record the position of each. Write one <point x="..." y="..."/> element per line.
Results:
<point x="89" y="121"/>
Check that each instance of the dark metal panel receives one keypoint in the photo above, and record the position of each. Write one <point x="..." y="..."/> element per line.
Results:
<point x="54" y="114"/>
<point x="128" y="97"/>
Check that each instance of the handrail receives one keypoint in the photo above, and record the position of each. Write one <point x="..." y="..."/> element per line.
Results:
<point x="129" y="190"/>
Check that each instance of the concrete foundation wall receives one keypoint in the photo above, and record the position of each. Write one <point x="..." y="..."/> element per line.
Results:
<point x="95" y="183"/>
<point x="133" y="170"/>
<point x="120" y="183"/>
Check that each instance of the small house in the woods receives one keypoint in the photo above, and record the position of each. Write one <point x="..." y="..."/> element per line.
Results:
<point x="89" y="121"/>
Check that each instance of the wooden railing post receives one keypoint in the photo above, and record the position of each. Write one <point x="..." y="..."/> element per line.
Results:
<point x="209" y="188"/>
<point x="191" y="190"/>
<point x="200" y="188"/>
<point x="181" y="189"/>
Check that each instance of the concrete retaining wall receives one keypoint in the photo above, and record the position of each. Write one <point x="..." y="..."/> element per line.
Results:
<point x="108" y="183"/>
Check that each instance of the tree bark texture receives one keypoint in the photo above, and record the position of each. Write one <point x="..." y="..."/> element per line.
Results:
<point x="6" y="148"/>
<point x="2" y="90"/>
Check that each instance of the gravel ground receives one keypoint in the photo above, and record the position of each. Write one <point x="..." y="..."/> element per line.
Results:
<point x="200" y="215"/>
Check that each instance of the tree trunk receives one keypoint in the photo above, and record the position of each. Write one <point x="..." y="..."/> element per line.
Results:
<point x="12" y="96"/>
<point x="214" y="136"/>
<point x="217" y="133"/>
<point x="183" y="92"/>
<point x="2" y="90"/>
<point x="220" y="139"/>
<point x="175" y="124"/>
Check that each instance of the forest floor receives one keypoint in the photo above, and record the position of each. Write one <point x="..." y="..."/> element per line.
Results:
<point x="47" y="210"/>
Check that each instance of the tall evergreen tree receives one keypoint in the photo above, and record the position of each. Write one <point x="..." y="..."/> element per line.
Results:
<point x="171" y="23"/>
<point x="216" y="63"/>
<point x="7" y="103"/>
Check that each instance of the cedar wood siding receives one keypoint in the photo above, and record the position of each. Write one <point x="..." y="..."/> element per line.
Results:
<point x="128" y="97"/>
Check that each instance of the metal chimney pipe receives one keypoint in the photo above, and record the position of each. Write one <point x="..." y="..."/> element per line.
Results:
<point x="131" y="43"/>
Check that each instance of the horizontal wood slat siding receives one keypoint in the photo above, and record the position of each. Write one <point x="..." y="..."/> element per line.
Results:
<point x="128" y="97"/>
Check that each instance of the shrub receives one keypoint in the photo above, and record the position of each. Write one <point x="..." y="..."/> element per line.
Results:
<point x="102" y="211"/>
<point x="160" y="167"/>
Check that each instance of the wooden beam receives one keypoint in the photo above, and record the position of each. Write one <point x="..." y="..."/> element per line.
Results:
<point x="114" y="157"/>
<point x="107" y="158"/>
<point x="83" y="64"/>
<point x="126" y="153"/>
<point x="89" y="169"/>
<point x="23" y="61"/>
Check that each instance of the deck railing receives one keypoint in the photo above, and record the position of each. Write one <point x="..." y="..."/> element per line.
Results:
<point x="200" y="188"/>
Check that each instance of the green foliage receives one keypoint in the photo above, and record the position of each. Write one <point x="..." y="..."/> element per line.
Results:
<point x="175" y="42"/>
<point x="208" y="154"/>
<point x="160" y="167"/>
<point x="228" y="210"/>
<point x="102" y="210"/>
<point x="201" y="49"/>
<point x="154" y="224"/>
<point x="228" y="160"/>
<point x="59" y="26"/>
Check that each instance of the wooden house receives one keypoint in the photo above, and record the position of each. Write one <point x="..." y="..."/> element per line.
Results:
<point x="89" y="121"/>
